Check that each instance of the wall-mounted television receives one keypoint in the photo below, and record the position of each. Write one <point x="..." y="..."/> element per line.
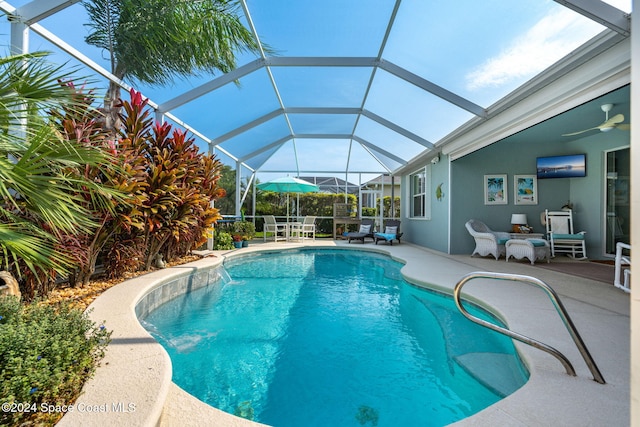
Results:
<point x="571" y="166"/>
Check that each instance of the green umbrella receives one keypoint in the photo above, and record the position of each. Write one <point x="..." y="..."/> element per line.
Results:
<point x="288" y="184"/>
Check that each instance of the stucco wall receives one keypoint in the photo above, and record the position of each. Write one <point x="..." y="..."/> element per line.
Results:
<point x="433" y="231"/>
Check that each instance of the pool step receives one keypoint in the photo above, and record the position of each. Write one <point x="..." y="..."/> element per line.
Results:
<point x="499" y="372"/>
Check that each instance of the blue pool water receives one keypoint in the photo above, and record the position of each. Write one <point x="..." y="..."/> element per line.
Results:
<point x="332" y="338"/>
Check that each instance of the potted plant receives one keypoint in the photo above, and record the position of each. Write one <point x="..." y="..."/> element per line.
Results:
<point x="246" y="229"/>
<point x="237" y="240"/>
<point x="222" y="241"/>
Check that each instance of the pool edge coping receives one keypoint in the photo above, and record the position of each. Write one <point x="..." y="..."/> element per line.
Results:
<point x="120" y="379"/>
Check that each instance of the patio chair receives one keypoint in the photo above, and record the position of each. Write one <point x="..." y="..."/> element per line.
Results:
<point x="365" y="230"/>
<point x="391" y="232"/>
<point x="305" y="228"/>
<point x="272" y="226"/>
<point x="561" y="236"/>
<point x="488" y="242"/>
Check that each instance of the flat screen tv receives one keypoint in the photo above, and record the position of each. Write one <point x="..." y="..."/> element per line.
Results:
<point x="572" y="166"/>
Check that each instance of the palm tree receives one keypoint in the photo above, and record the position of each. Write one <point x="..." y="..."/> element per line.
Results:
<point x="37" y="206"/>
<point x="155" y="41"/>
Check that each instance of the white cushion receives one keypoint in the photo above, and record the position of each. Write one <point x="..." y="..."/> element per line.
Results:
<point x="391" y="230"/>
<point x="365" y="228"/>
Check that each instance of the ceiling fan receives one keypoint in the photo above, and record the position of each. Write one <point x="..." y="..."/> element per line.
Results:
<point x="608" y="124"/>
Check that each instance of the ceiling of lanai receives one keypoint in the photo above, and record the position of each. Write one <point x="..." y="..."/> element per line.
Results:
<point x="358" y="86"/>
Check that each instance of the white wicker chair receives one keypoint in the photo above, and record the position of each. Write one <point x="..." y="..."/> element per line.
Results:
<point x="488" y="242"/>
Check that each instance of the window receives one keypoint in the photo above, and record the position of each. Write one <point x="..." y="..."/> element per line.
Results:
<point x="419" y="188"/>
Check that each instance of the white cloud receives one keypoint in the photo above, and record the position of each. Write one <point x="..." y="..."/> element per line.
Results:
<point x="550" y="39"/>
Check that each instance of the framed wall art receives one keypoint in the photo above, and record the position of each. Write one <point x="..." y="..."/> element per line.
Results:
<point x="495" y="190"/>
<point x="525" y="189"/>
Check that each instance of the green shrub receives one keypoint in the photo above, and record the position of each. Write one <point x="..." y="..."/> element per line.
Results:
<point x="245" y="228"/>
<point x="370" y="212"/>
<point x="223" y="241"/>
<point x="46" y="355"/>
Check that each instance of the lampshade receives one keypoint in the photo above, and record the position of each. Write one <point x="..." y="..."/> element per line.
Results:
<point x="519" y="219"/>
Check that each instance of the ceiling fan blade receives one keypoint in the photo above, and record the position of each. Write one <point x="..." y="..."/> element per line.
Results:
<point x="581" y="131"/>
<point x="624" y="126"/>
<point x="612" y="122"/>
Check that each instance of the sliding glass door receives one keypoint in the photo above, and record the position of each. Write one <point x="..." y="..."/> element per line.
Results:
<point x="618" y="193"/>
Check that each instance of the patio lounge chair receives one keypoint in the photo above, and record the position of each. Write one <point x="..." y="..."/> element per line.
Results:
<point x="271" y="226"/>
<point x="488" y="242"/>
<point x="365" y="230"/>
<point x="391" y="232"/>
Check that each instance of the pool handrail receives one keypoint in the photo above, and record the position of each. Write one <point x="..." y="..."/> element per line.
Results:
<point x="553" y="296"/>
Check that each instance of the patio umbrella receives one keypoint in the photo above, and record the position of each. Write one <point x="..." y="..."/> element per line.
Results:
<point x="288" y="185"/>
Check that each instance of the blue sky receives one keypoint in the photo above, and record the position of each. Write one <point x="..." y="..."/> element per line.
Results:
<point x="478" y="50"/>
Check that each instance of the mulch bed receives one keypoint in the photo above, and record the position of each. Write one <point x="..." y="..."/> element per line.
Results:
<point x="82" y="297"/>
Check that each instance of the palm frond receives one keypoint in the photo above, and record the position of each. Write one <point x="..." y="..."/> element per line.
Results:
<point x="103" y="18"/>
<point x="40" y="188"/>
<point x="21" y="241"/>
<point x="28" y="83"/>
<point x="157" y="41"/>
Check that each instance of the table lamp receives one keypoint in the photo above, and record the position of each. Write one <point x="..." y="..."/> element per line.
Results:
<point x="518" y="221"/>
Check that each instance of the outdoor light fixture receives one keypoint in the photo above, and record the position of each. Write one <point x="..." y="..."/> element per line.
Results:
<point x="519" y="223"/>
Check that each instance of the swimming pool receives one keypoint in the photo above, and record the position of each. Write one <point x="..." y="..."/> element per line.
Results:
<point x="332" y="337"/>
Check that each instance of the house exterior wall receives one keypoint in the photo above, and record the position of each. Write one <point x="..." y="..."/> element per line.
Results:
<point x="463" y="186"/>
<point x="433" y="231"/>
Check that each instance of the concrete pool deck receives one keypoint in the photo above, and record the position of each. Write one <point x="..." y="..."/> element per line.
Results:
<point x="133" y="384"/>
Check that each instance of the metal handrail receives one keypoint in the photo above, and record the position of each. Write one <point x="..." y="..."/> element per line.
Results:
<point x="597" y="376"/>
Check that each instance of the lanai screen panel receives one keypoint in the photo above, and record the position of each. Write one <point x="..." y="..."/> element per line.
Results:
<point x="387" y="139"/>
<point x="322" y="155"/>
<point x="364" y="159"/>
<point x="482" y="51"/>
<point x="231" y="106"/>
<point x="253" y="140"/>
<point x="322" y="86"/>
<point x="331" y="28"/>
<point x="322" y="123"/>
<point x="477" y="51"/>
<point x="256" y="162"/>
<point x="413" y="108"/>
